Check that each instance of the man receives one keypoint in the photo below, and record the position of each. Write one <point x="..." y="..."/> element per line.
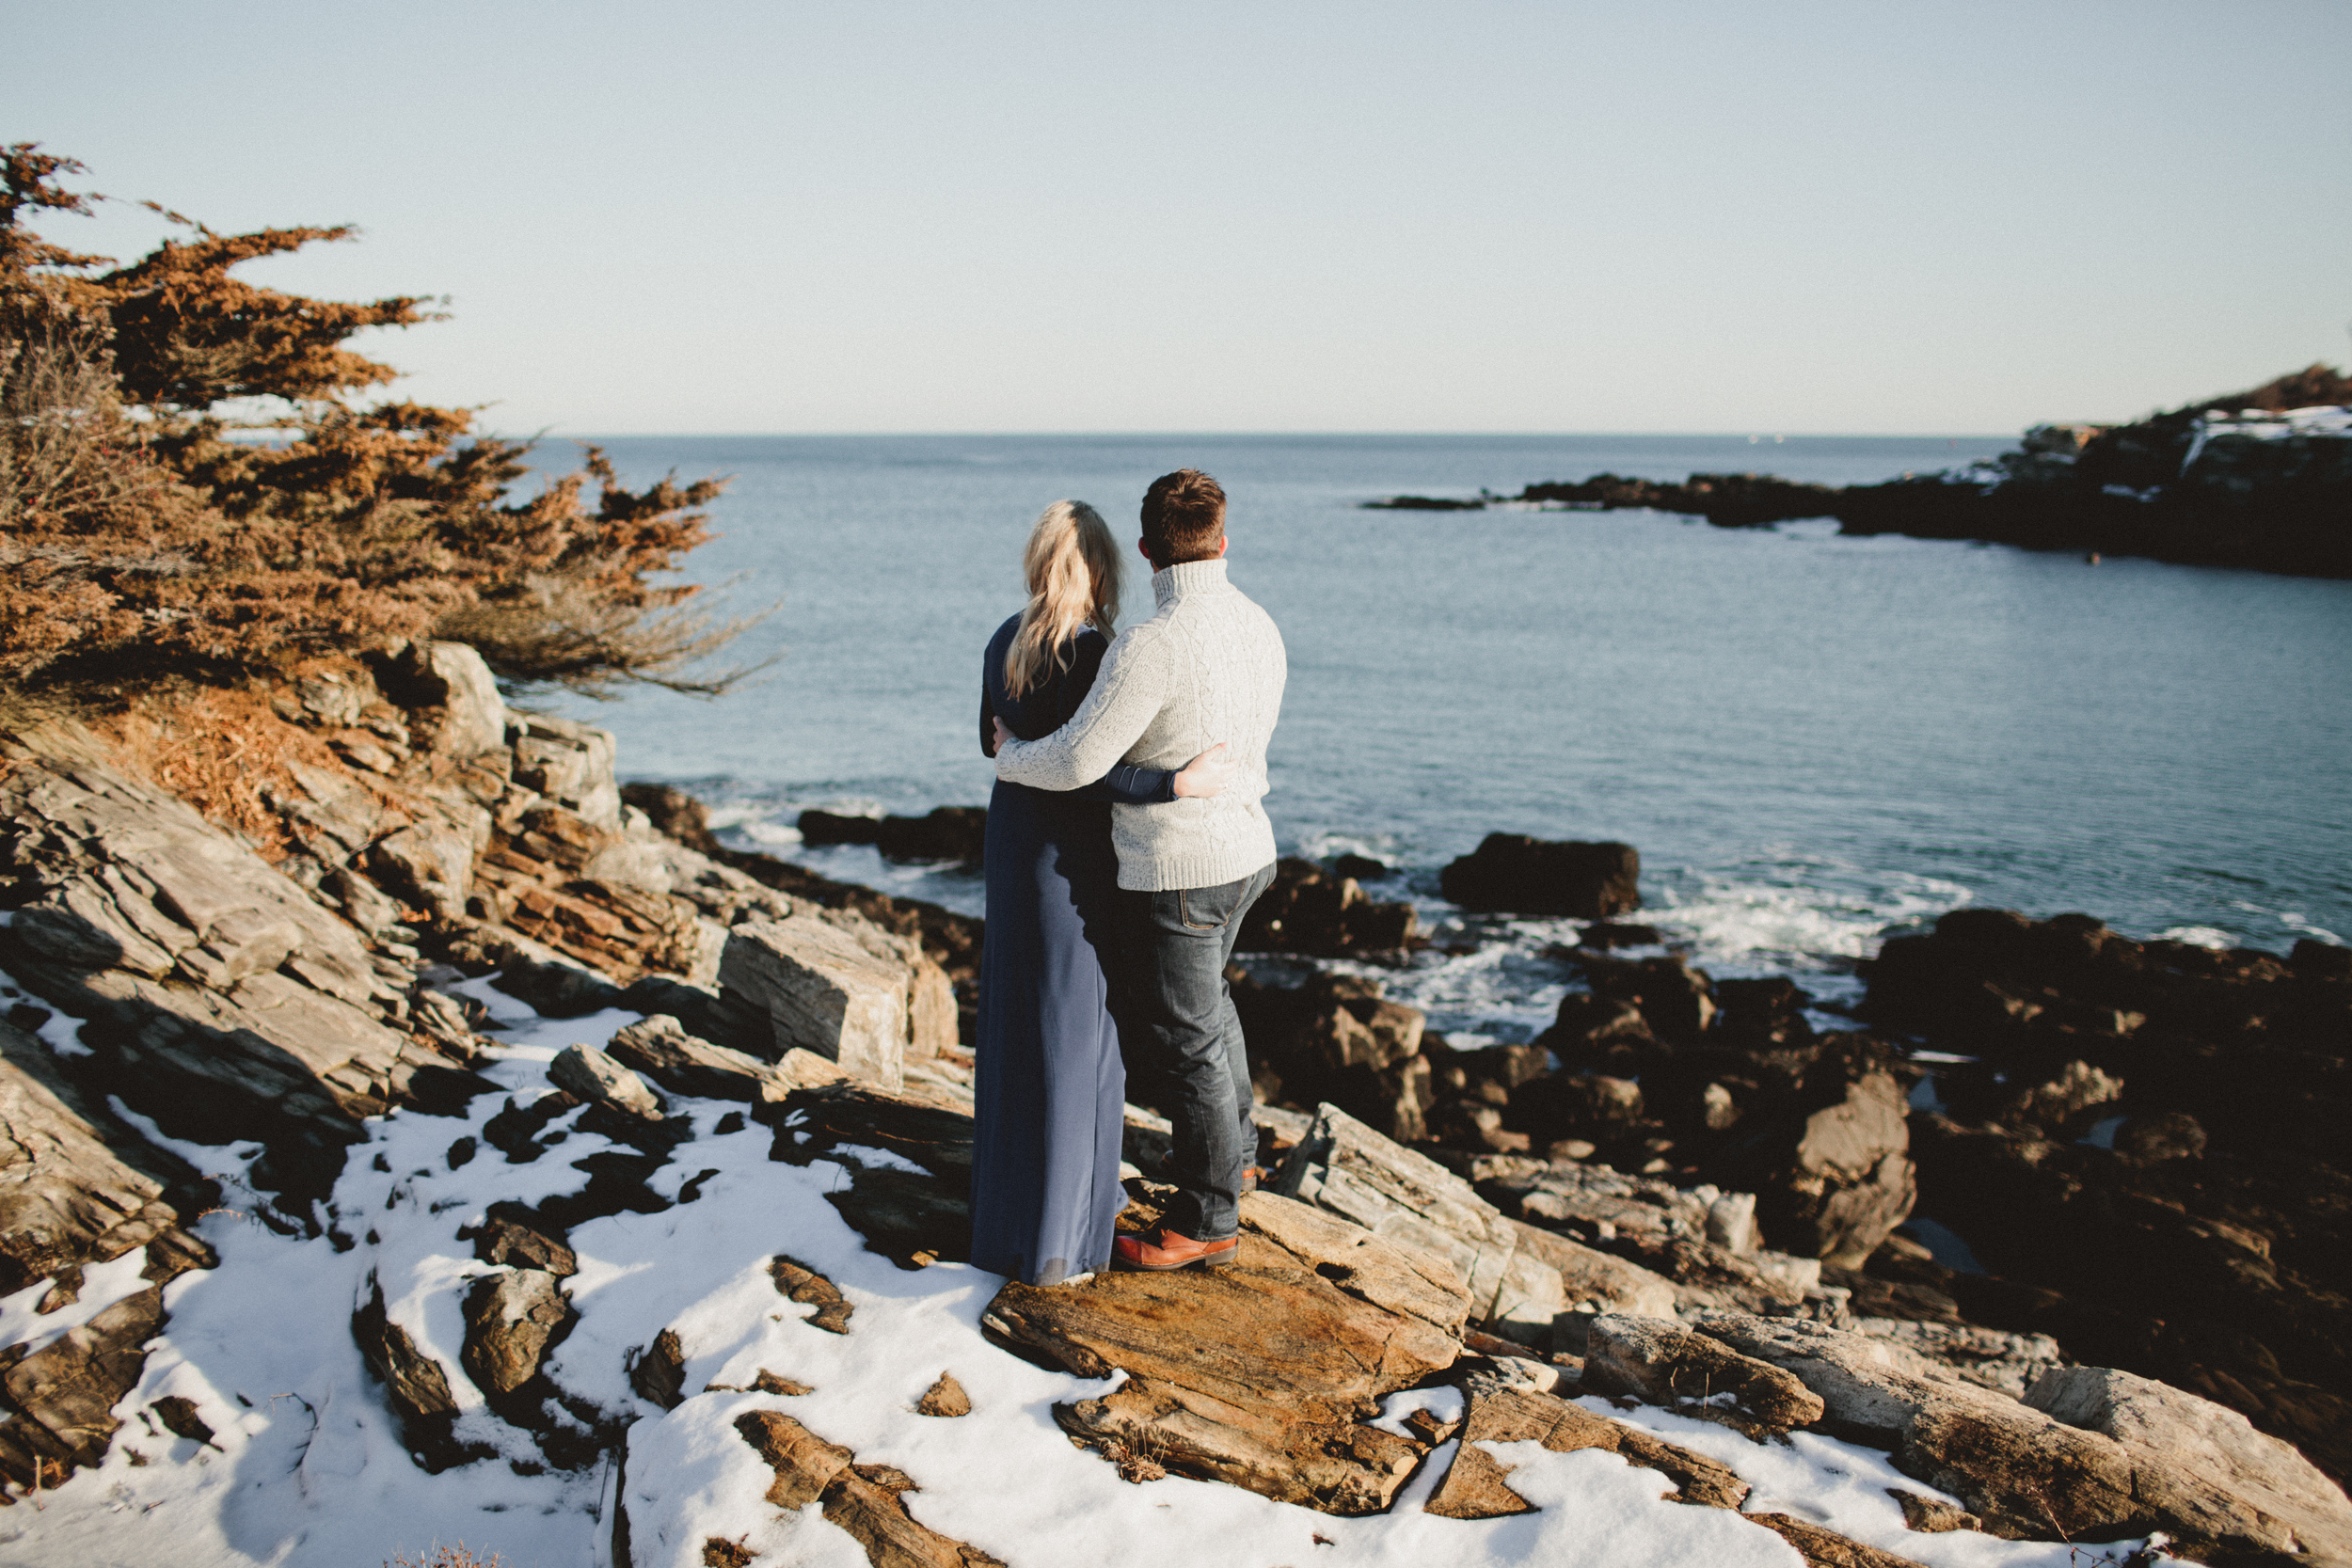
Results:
<point x="1207" y="668"/>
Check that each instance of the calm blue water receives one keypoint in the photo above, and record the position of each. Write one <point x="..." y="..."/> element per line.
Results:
<point x="1807" y="736"/>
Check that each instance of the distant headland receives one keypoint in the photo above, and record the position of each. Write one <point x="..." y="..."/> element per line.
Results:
<point x="2259" y="479"/>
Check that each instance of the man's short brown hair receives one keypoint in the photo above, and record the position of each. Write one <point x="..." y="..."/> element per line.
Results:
<point x="1183" y="517"/>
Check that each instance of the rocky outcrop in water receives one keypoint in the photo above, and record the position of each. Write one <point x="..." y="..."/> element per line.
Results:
<point x="1324" y="913"/>
<point x="2259" y="479"/>
<point x="958" y="834"/>
<point x="2201" y="1237"/>
<point x="1513" y="874"/>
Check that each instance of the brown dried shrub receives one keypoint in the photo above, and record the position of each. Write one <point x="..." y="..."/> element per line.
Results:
<point x="146" y="531"/>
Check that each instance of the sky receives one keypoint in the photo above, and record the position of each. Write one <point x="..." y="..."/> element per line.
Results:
<point x="1794" y="218"/>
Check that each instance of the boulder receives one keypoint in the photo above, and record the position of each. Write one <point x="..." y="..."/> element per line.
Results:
<point x="505" y="1240"/>
<point x="331" y="813"/>
<point x="430" y="865"/>
<point x="1577" y="1104"/>
<point x="2007" y="1362"/>
<point x="568" y="763"/>
<point x="820" y="828"/>
<point x="657" y="1373"/>
<point x="1593" y="1281"/>
<point x="511" y="1319"/>
<point x="674" y="815"/>
<point x="820" y="990"/>
<point x="59" y="1400"/>
<point x="1602" y="1034"/>
<point x="1664" y="1362"/>
<point x="1676" y="1001"/>
<point x="1606" y="1208"/>
<point x="592" y="1076"/>
<point x="2028" y="1476"/>
<point x="416" y="1385"/>
<point x="796" y="1281"/>
<point x="1513" y="874"/>
<point x="1326" y="914"/>
<point x="946" y="834"/>
<point x="2162" y="1135"/>
<point x="1345" y="1167"/>
<point x="1336" y="1038"/>
<point x="1825" y="1548"/>
<point x="1261" y="1373"/>
<point x="2068" y="1103"/>
<point x="461" y="713"/>
<point x="2207" y="1446"/>
<point x="1833" y="1183"/>
<point x="1476" y="1487"/>
<point x="841" y="988"/>
<point x="1397" y="1275"/>
<point x="660" y="1047"/>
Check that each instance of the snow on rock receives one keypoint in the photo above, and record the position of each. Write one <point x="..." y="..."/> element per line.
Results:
<point x="306" y="1463"/>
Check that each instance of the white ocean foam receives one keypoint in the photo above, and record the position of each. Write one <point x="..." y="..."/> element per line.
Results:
<point x="1799" y="915"/>
<point x="1500" y="994"/>
<point x="1326" y="847"/>
<point x="2198" y="936"/>
<point x="2293" y="920"/>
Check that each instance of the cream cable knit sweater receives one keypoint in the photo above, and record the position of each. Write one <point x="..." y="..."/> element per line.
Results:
<point x="1208" y="667"/>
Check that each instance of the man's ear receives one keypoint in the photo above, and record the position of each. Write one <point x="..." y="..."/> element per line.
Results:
<point x="1221" y="545"/>
<point x="1144" y="547"/>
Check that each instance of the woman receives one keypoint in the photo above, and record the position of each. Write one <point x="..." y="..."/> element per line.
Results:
<point x="1049" y="1085"/>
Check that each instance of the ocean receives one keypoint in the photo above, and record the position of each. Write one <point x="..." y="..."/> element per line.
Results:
<point x="1811" y="740"/>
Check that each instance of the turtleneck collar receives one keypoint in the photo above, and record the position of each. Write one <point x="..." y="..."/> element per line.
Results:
<point x="1170" y="583"/>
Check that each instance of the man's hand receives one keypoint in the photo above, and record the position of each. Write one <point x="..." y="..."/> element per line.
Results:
<point x="1002" y="735"/>
<point x="1206" y="774"/>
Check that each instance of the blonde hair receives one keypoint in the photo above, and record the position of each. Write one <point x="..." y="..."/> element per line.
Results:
<point x="1072" y="569"/>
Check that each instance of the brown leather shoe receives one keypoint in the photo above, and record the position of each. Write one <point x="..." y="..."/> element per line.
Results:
<point x="1160" y="1249"/>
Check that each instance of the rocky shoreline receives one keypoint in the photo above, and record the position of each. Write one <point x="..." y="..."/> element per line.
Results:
<point x="2259" y="479"/>
<point x="1683" y="1199"/>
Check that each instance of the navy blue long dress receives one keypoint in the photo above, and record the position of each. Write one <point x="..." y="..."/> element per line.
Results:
<point x="1048" y="1081"/>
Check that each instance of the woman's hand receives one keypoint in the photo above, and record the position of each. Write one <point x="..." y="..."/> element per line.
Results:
<point x="1002" y="735"/>
<point x="1206" y="774"/>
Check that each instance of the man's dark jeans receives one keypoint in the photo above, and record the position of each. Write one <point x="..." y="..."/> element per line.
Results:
<point x="1181" y="1012"/>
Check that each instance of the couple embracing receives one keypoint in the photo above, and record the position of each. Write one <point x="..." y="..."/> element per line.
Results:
<point x="1125" y="842"/>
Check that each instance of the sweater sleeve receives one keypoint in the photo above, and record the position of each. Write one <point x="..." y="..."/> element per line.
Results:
<point x="1127" y="696"/>
<point x="1131" y="786"/>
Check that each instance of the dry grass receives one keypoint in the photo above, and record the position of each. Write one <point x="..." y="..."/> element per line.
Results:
<point x="438" y="1555"/>
<point x="1138" y="1457"/>
<point x="219" y="749"/>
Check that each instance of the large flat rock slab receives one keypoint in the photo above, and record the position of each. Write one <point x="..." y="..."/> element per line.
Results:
<point x="220" y="997"/>
<point x="1260" y="1373"/>
<point x="2179" y="1466"/>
